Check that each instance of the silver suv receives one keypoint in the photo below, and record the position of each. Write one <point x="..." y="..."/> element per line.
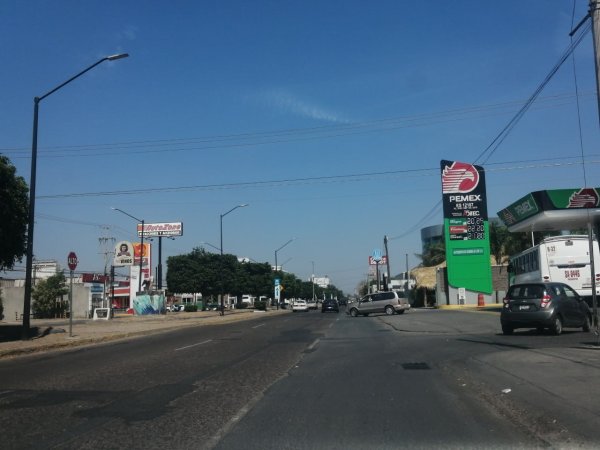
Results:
<point x="379" y="302"/>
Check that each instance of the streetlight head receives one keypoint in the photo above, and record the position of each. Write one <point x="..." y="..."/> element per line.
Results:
<point x="119" y="56"/>
<point x="245" y="204"/>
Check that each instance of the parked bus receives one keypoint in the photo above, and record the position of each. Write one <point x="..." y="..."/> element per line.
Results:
<point x="564" y="259"/>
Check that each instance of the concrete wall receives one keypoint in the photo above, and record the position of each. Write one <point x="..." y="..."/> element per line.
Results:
<point x="447" y="295"/>
<point x="12" y="299"/>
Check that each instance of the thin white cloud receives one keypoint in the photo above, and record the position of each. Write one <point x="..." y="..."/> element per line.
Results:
<point x="287" y="102"/>
<point x="129" y="33"/>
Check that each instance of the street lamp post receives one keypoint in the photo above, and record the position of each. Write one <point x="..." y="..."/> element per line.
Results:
<point x="312" y="280"/>
<point x="220" y="261"/>
<point x="141" y="245"/>
<point x="276" y="261"/>
<point x="210" y="245"/>
<point x="32" y="181"/>
<point x="292" y="239"/>
<point x="223" y="215"/>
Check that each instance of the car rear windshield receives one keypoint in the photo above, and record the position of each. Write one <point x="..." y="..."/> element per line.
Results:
<point x="526" y="292"/>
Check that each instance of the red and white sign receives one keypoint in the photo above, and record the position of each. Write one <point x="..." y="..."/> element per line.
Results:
<point x="72" y="261"/>
<point x="160" y="229"/>
<point x="459" y="178"/>
<point x="383" y="260"/>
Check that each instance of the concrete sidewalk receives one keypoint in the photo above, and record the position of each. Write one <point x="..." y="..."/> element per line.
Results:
<point x="53" y="334"/>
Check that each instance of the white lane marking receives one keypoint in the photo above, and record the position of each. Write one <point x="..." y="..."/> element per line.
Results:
<point x="193" y="345"/>
<point x="259" y="325"/>
<point x="313" y="345"/>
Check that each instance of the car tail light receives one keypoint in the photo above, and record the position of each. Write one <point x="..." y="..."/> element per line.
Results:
<point x="546" y="278"/>
<point x="597" y="277"/>
<point x="546" y="301"/>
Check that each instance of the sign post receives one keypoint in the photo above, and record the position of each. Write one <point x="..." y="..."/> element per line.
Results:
<point x="72" y="263"/>
<point x="377" y="256"/>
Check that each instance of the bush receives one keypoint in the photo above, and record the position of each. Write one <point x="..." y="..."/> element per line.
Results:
<point x="190" y="308"/>
<point x="260" y="305"/>
<point x="241" y="305"/>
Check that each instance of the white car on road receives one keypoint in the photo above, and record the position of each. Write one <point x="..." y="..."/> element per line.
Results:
<point x="299" y="305"/>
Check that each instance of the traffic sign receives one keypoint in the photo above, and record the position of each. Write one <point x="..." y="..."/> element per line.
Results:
<point x="72" y="261"/>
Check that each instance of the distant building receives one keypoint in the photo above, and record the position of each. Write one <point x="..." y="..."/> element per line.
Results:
<point x="45" y="269"/>
<point x="431" y="235"/>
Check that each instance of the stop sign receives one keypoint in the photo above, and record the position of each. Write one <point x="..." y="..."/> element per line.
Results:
<point x="72" y="261"/>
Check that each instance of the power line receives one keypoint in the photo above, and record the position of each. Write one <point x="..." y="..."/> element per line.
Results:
<point x="360" y="177"/>
<point x="284" y="136"/>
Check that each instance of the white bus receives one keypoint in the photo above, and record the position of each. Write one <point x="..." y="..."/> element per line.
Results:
<point x="564" y="259"/>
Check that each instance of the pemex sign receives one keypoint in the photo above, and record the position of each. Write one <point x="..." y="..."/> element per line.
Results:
<point x="466" y="228"/>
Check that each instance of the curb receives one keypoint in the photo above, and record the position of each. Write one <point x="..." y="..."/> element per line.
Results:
<point x="471" y="307"/>
<point x="38" y="346"/>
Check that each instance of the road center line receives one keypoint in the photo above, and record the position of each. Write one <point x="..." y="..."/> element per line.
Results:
<point x="259" y="325"/>
<point x="314" y="344"/>
<point x="193" y="345"/>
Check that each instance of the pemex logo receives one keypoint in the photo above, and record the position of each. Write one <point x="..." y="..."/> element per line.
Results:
<point x="459" y="178"/>
<point x="584" y="198"/>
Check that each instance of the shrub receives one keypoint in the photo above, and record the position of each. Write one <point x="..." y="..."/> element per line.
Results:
<point x="241" y="305"/>
<point x="190" y="308"/>
<point x="260" y="305"/>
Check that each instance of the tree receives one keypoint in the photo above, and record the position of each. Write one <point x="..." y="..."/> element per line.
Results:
<point x="499" y="240"/>
<point x="434" y="254"/>
<point x="48" y="297"/>
<point x="14" y="213"/>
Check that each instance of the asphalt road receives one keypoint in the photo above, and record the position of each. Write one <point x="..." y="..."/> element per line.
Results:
<point x="425" y="379"/>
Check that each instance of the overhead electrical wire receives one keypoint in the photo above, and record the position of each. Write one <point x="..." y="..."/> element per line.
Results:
<point x="499" y="139"/>
<point x="359" y="177"/>
<point x="281" y="136"/>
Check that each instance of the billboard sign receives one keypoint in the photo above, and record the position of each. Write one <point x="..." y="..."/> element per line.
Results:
<point x="381" y="260"/>
<point x="160" y="229"/>
<point x="466" y="228"/>
<point x="123" y="254"/>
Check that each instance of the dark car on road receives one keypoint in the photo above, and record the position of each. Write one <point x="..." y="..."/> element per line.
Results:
<point x="330" y="305"/>
<point x="544" y="305"/>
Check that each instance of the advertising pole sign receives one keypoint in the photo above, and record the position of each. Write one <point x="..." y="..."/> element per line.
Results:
<point x="123" y="254"/>
<point x="72" y="263"/>
<point x="466" y="228"/>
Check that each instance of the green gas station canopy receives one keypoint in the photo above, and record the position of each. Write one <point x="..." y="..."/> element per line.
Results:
<point x="553" y="210"/>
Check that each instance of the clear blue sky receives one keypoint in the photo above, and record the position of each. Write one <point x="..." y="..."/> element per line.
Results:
<point x="328" y="117"/>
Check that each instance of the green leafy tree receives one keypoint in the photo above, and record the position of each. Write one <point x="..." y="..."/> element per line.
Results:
<point x="434" y="254"/>
<point x="255" y="279"/>
<point x="14" y="201"/>
<point x="48" y="297"/>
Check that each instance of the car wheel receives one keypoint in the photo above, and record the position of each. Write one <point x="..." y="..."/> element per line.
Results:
<point x="507" y="329"/>
<point x="557" y="326"/>
<point x="353" y="312"/>
<point x="389" y="310"/>
<point x="366" y="314"/>
<point x="587" y="324"/>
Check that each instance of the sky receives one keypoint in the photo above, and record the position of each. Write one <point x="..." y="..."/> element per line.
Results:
<point x="328" y="118"/>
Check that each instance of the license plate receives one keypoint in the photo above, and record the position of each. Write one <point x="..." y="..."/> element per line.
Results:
<point x="523" y="307"/>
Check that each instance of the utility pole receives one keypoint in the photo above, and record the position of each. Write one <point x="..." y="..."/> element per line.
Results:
<point x="107" y="248"/>
<point x="387" y="257"/>
<point x="595" y="15"/>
